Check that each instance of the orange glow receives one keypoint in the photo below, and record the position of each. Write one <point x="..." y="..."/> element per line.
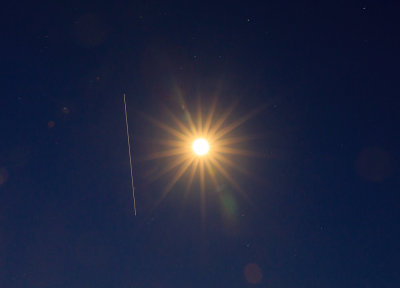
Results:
<point x="199" y="144"/>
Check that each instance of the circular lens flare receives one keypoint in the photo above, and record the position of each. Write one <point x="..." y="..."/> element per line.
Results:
<point x="200" y="146"/>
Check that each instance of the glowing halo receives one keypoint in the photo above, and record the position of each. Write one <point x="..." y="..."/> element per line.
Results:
<point x="201" y="144"/>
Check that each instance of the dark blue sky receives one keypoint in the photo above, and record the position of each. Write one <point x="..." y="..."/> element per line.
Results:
<point x="325" y="209"/>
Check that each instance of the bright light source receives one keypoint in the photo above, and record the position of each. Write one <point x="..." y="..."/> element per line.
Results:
<point x="200" y="146"/>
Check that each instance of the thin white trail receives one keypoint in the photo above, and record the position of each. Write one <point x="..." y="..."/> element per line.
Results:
<point x="130" y="156"/>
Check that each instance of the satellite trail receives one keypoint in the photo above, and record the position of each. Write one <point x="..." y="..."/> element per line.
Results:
<point x="130" y="156"/>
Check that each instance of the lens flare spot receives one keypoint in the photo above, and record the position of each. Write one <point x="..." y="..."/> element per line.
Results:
<point x="3" y="175"/>
<point x="229" y="205"/>
<point x="253" y="273"/>
<point x="200" y="146"/>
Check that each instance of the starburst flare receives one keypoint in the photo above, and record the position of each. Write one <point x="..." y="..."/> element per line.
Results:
<point x="202" y="147"/>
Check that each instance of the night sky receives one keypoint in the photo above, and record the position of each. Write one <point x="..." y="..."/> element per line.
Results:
<point x="319" y="203"/>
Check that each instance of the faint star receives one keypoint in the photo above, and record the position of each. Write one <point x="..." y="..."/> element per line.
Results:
<point x="65" y="110"/>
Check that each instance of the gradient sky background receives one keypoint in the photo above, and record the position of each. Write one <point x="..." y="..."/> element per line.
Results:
<point x="326" y="212"/>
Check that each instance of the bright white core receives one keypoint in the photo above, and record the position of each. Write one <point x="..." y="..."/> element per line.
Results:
<point x="200" y="146"/>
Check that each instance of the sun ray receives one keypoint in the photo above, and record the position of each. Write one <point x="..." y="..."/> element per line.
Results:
<point x="165" y="142"/>
<point x="238" y="168"/>
<point x="171" y="166"/>
<point x="166" y="128"/>
<point x="210" y="116"/>
<point x="230" y="163"/>
<point x="239" y="152"/>
<point x="171" y="143"/>
<point x="199" y="118"/>
<point x="237" y="123"/>
<point x="178" y="122"/>
<point x="211" y="172"/>
<point x="166" y="153"/>
<point x="202" y="190"/>
<point x="226" y="175"/>
<point x="192" y="173"/>
<point x="222" y="119"/>
<point x="191" y="176"/>
<point x="183" y="105"/>
<point x="236" y="140"/>
<point x="191" y="123"/>
<point x="182" y="169"/>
